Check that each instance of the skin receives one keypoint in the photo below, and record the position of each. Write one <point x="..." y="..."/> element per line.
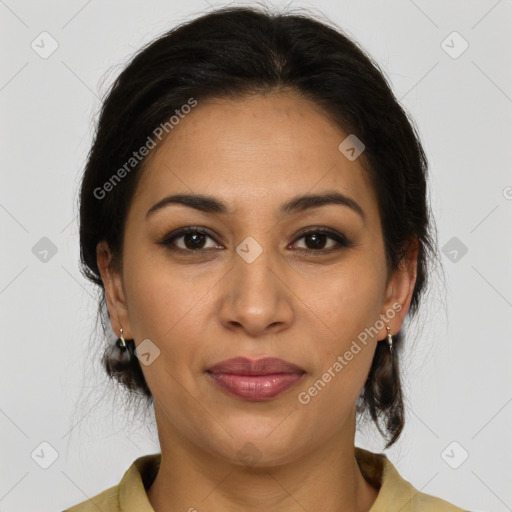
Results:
<point x="200" y="308"/>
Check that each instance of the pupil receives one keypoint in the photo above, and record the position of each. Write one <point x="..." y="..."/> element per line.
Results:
<point x="318" y="240"/>
<point x="195" y="239"/>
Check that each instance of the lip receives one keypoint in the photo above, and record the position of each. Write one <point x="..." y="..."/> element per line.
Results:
<point x="255" y="380"/>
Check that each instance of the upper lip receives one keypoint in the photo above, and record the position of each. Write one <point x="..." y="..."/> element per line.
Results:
<point x="264" y="366"/>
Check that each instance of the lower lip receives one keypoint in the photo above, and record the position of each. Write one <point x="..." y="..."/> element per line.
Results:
<point x="256" y="388"/>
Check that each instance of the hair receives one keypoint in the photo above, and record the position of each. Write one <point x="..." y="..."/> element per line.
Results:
<point x="239" y="51"/>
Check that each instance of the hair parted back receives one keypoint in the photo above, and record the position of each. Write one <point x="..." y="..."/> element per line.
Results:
<point x="232" y="52"/>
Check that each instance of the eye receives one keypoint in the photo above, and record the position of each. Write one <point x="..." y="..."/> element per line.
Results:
<point x="315" y="240"/>
<point x="193" y="239"/>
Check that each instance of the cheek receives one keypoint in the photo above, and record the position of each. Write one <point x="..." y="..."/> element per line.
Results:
<point x="171" y="309"/>
<point x="347" y="302"/>
<point x="161" y="314"/>
<point x="159" y="296"/>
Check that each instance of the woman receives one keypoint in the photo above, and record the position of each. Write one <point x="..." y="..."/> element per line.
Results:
<point x="254" y="208"/>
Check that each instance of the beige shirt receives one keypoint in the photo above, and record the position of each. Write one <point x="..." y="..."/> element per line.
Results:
<point x="395" y="493"/>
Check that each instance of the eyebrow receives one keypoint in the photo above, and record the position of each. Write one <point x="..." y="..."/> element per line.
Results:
<point x="210" y="204"/>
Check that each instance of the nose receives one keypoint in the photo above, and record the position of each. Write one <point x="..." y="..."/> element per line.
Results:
<point x="256" y="298"/>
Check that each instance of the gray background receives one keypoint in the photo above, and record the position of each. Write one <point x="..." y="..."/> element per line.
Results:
<point x="458" y="362"/>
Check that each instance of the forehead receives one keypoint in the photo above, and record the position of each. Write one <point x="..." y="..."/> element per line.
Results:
<point x="254" y="151"/>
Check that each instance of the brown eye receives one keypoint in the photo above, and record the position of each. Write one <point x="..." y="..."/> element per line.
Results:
<point x="189" y="239"/>
<point x="317" y="240"/>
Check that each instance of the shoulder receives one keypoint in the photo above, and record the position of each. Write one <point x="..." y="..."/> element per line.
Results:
<point x="396" y="493"/>
<point x="130" y="494"/>
<point x="107" y="501"/>
<point x="425" y="502"/>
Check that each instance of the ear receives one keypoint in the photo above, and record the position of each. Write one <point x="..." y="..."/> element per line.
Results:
<point x="114" y="292"/>
<point x="399" y="291"/>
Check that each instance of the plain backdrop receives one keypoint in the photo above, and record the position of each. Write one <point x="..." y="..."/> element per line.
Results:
<point x="57" y="409"/>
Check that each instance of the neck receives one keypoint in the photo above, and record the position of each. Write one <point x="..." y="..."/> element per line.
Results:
<point x="327" y="478"/>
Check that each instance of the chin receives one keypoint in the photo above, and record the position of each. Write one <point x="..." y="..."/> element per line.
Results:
<point x="255" y="443"/>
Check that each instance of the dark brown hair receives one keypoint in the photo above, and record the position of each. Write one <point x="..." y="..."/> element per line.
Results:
<point x="232" y="52"/>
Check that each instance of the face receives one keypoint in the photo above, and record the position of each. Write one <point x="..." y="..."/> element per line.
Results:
<point x="265" y="276"/>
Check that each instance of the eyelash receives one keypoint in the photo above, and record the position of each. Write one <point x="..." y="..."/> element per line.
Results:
<point x="340" y="239"/>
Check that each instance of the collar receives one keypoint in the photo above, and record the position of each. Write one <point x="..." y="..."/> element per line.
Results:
<point x="395" y="493"/>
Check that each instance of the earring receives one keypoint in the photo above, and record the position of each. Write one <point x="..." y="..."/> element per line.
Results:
<point x="121" y="343"/>
<point x="390" y="340"/>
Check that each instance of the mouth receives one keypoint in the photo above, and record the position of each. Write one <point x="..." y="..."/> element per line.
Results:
<point x="255" y="381"/>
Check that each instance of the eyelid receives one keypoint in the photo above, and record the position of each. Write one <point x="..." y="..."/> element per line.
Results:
<point x="169" y="238"/>
<point x="324" y="230"/>
<point x="338" y="237"/>
<point x="341" y="240"/>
